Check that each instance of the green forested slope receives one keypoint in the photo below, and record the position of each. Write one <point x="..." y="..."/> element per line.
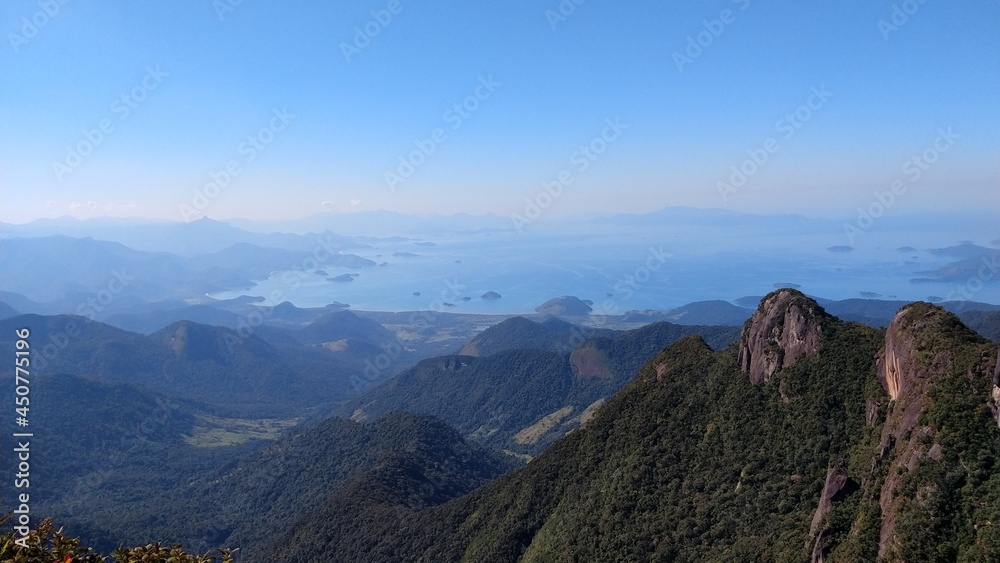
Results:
<point x="492" y="398"/>
<point x="690" y="462"/>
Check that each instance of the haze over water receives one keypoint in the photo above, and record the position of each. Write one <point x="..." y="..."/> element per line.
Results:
<point x="618" y="269"/>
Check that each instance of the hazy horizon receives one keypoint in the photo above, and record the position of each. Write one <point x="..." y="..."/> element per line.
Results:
<point x="841" y="133"/>
<point x="276" y="112"/>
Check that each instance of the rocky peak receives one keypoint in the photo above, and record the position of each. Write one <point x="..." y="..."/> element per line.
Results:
<point x="924" y="344"/>
<point x="898" y="368"/>
<point x="919" y="346"/>
<point x="786" y="326"/>
<point x="919" y="337"/>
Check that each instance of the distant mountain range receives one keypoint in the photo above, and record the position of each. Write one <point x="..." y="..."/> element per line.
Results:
<point x="187" y="239"/>
<point x="72" y="271"/>
<point x="209" y="235"/>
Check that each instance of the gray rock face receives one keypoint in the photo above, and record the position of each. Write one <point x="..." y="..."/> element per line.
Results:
<point x="921" y="344"/>
<point x="894" y="369"/>
<point x="995" y="406"/>
<point x="786" y="326"/>
<point x="837" y="482"/>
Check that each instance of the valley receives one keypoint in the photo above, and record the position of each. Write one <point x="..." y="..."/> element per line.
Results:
<point x="292" y="432"/>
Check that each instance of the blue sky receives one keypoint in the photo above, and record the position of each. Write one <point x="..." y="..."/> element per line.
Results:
<point x="325" y="129"/>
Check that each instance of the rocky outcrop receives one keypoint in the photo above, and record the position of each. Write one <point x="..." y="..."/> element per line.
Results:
<point x="996" y="404"/>
<point x="922" y="344"/>
<point x="906" y="377"/>
<point x="873" y="411"/>
<point x="995" y="395"/>
<point x="895" y="365"/>
<point x="914" y="355"/>
<point x="890" y="371"/>
<point x="590" y="361"/>
<point x="837" y="486"/>
<point x="786" y="326"/>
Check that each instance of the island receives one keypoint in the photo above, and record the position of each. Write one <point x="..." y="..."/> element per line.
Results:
<point x="491" y="295"/>
<point x="565" y="305"/>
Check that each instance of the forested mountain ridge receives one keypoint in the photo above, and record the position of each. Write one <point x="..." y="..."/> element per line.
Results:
<point x="235" y="373"/>
<point x="861" y="445"/>
<point x="557" y="335"/>
<point x="939" y="444"/>
<point x="416" y="461"/>
<point x="523" y="399"/>
<point x="100" y="446"/>
<point x="807" y="439"/>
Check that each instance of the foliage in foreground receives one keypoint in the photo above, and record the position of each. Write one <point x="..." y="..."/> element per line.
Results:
<point x="45" y="544"/>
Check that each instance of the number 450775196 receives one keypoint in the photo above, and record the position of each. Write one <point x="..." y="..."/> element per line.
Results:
<point x="22" y="372"/>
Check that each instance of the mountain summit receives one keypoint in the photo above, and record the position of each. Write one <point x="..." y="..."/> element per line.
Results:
<point x="936" y="440"/>
<point x="786" y="325"/>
